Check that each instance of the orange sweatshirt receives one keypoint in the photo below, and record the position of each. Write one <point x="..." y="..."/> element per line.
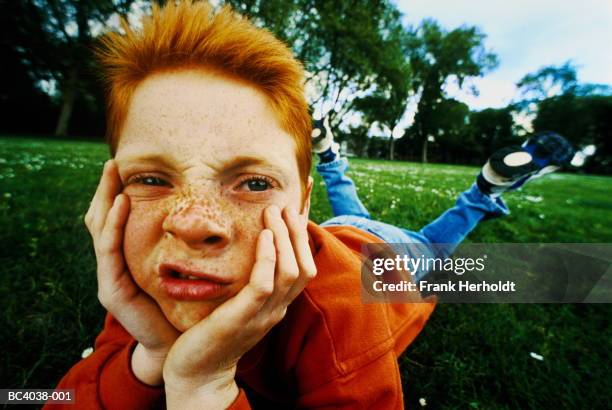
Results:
<point x="330" y="350"/>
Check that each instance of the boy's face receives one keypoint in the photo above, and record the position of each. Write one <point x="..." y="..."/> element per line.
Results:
<point x="200" y="156"/>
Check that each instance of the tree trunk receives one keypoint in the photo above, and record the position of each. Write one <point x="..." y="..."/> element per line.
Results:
<point x="424" y="151"/>
<point x="68" y="98"/>
<point x="391" y="148"/>
<point x="364" y="148"/>
<point x="65" y="113"/>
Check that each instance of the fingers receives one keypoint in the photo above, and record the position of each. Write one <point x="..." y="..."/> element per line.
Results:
<point x="261" y="283"/>
<point x="111" y="236"/>
<point x="303" y="254"/>
<point x="287" y="269"/>
<point x="109" y="187"/>
<point x="295" y="266"/>
<point x="245" y="306"/>
<point x="283" y="266"/>
<point x="109" y="252"/>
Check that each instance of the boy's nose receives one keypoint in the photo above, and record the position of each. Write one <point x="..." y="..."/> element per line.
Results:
<point x="198" y="227"/>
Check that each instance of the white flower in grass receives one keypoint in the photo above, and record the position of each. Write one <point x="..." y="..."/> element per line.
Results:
<point x="87" y="352"/>
<point x="535" y="199"/>
<point x="536" y="356"/>
<point x="423" y="402"/>
<point x="7" y="195"/>
<point x="541" y="216"/>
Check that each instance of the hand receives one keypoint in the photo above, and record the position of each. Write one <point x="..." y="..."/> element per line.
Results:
<point x="201" y="366"/>
<point x="117" y="291"/>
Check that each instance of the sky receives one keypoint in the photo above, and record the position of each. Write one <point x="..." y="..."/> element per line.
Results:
<point x="526" y="35"/>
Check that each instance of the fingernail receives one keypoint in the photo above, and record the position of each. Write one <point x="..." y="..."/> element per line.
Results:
<point x="117" y="199"/>
<point x="291" y="212"/>
<point x="274" y="210"/>
<point x="267" y="235"/>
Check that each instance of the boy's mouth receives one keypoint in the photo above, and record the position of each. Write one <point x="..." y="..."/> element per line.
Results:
<point x="182" y="283"/>
<point x="176" y="271"/>
<point x="179" y="275"/>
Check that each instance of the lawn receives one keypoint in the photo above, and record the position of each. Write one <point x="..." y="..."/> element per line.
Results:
<point x="469" y="356"/>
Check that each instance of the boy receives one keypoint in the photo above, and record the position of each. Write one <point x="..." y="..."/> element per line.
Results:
<point x="206" y="262"/>
<point x="206" y="259"/>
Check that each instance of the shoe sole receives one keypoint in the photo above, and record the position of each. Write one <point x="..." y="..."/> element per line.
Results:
<point x="512" y="162"/>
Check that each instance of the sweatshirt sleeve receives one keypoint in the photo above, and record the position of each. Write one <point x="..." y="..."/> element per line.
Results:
<point x="241" y="402"/>
<point x="376" y="385"/>
<point x="104" y="380"/>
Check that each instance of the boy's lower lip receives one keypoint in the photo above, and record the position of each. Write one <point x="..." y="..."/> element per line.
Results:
<point x="191" y="290"/>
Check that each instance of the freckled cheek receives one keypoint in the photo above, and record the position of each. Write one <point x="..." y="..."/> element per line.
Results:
<point x="249" y="218"/>
<point x="143" y="231"/>
<point x="248" y="223"/>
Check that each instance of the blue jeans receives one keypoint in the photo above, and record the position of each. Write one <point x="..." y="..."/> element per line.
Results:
<point x="437" y="239"/>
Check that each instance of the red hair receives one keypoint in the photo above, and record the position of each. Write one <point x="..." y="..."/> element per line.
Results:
<point x="191" y="35"/>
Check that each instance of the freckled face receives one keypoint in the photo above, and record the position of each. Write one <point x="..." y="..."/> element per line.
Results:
<point x="201" y="156"/>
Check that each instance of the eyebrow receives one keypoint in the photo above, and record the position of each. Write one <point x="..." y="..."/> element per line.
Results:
<point x="234" y="165"/>
<point x="153" y="157"/>
<point x="242" y="162"/>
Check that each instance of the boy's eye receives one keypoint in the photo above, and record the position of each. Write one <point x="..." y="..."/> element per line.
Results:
<point x="151" y="180"/>
<point x="256" y="184"/>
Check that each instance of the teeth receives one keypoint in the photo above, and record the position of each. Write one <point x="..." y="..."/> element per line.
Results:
<point x="190" y="277"/>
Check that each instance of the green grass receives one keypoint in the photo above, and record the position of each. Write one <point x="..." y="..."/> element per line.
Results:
<point x="469" y="356"/>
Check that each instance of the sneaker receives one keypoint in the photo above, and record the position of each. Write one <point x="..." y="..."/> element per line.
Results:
<point x="511" y="167"/>
<point x="322" y="137"/>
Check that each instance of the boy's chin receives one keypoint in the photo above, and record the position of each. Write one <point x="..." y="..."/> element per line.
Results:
<point x="184" y="315"/>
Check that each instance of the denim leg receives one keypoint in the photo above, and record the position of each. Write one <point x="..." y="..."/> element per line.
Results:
<point x="341" y="191"/>
<point x="451" y="228"/>
<point x="440" y="237"/>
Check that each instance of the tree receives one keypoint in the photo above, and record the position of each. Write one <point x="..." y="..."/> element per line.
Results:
<point x="548" y="81"/>
<point x="55" y="41"/>
<point x="20" y="98"/>
<point x="386" y="105"/>
<point x="558" y="102"/>
<point x="489" y="130"/>
<point x="346" y="46"/>
<point x="583" y="120"/>
<point x="436" y="56"/>
<point x="451" y="119"/>
<point x="551" y="81"/>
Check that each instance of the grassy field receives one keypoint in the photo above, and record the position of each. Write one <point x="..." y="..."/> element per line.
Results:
<point x="469" y="356"/>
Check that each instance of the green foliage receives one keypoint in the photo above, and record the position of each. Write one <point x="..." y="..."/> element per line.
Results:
<point x="548" y="80"/>
<point x="387" y="103"/>
<point x="584" y="121"/>
<point x="346" y="46"/>
<point x="452" y="141"/>
<point x="52" y="41"/>
<point x="488" y="131"/>
<point x="435" y="56"/>
<point x="473" y="356"/>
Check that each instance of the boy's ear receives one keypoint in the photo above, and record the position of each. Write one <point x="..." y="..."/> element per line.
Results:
<point x="306" y="203"/>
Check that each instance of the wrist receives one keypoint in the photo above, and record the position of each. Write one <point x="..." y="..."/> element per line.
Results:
<point x="148" y="366"/>
<point x="217" y="394"/>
